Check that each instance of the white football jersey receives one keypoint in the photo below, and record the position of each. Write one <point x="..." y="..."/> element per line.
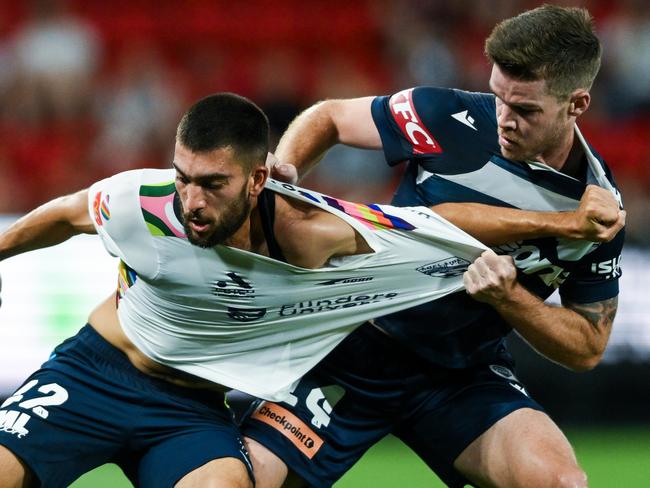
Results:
<point x="250" y="322"/>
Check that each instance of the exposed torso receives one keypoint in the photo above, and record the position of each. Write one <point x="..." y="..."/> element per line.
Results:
<point x="105" y="321"/>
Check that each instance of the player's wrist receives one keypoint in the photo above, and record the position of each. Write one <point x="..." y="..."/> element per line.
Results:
<point x="565" y="224"/>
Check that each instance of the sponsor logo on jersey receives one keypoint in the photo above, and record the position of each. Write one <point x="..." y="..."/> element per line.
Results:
<point x="534" y="260"/>
<point x="315" y="306"/>
<point x="464" y="119"/>
<point x="96" y="200"/>
<point x="408" y="120"/>
<point x="14" y="422"/>
<point x="290" y="426"/>
<point x="445" y="268"/>
<point x="101" y="211"/>
<point x="610" y="268"/>
<point x="336" y="281"/>
<point x="235" y="286"/>
<point x="246" y="314"/>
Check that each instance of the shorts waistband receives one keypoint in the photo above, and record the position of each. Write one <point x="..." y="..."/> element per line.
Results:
<point x="90" y="342"/>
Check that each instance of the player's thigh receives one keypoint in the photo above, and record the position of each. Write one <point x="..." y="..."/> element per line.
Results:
<point x="218" y="473"/>
<point x="15" y="474"/>
<point x="443" y="417"/>
<point x="270" y="470"/>
<point x="189" y="438"/>
<point x="525" y="448"/>
<point x="60" y="425"/>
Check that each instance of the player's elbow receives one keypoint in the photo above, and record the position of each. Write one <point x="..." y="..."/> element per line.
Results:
<point x="583" y="366"/>
<point x="586" y="362"/>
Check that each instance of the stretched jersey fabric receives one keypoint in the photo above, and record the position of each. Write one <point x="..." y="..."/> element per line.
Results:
<point x="449" y="139"/>
<point x="250" y="322"/>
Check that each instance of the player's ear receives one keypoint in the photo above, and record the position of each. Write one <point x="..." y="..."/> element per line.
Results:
<point x="257" y="180"/>
<point x="579" y="102"/>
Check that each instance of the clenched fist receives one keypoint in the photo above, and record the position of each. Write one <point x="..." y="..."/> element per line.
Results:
<point x="490" y="278"/>
<point x="598" y="217"/>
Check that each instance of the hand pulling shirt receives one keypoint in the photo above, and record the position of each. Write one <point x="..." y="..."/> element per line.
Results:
<point x="251" y="322"/>
<point x="449" y="139"/>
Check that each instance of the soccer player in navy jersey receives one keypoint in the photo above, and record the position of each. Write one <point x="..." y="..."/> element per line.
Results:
<point x="439" y="376"/>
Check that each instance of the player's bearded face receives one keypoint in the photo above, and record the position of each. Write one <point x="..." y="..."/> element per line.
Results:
<point x="219" y="228"/>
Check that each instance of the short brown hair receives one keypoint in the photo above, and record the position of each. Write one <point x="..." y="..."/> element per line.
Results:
<point x="551" y="43"/>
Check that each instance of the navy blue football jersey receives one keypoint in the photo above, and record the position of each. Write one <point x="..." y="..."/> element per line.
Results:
<point x="448" y="138"/>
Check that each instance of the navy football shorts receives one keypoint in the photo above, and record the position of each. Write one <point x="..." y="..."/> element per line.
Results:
<point x="88" y="405"/>
<point x="370" y="386"/>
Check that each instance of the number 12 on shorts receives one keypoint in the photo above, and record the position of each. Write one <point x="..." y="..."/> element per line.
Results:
<point x="53" y="395"/>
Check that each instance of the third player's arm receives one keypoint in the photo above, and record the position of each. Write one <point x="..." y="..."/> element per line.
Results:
<point x="47" y="225"/>
<point x="574" y="335"/>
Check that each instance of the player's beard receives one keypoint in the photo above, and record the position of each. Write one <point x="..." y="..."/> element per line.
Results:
<point x="231" y="219"/>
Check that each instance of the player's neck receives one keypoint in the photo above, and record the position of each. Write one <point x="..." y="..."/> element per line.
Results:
<point x="573" y="165"/>
<point x="561" y="156"/>
<point x="250" y="236"/>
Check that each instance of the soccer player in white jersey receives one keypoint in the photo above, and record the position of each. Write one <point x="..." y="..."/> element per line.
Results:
<point x="226" y="280"/>
<point x="461" y="407"/>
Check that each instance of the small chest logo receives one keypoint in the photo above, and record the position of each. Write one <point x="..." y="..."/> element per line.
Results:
<point x="336" y="281"/>
<point x="445" y="268"/>
<point x="465" y="119"/>
<point x="234" y="286"/>
<point x="246" y="314"/>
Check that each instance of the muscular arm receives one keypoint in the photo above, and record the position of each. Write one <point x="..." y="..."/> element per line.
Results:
<point x="574" y="335"/>
<point x="597" y="219"/>
<point x="350" y="122"/>
<point x="322" y="126"/>
<point x="48" y="225"/>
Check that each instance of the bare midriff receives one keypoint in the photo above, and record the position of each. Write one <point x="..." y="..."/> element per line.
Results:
<point x="105" y="321"/>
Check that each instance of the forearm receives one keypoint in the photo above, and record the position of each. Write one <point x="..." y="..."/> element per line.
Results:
<point x="559" y="333"/>
<point x="499" y="225"/>
<point x="48" y="225"/>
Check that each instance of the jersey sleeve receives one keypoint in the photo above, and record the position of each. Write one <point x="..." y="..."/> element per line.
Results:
<point x="597" y="274"/>
<point x="429" y="121"/>
<point x="114" y="206"/>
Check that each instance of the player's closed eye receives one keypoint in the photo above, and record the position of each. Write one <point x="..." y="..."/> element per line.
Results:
<point x="213" y="186"/>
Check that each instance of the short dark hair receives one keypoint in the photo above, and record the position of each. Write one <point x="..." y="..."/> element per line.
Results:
<point x="551" y="43"/>
<point x="226" y="119"/>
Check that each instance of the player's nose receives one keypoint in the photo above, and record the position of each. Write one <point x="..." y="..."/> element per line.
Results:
<point x="505" y="118"/>
<point x="194" y="198"/>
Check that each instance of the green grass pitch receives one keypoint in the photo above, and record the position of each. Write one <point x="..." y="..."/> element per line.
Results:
<point x="612" y="458"/>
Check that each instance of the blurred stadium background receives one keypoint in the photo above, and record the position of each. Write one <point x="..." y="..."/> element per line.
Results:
<point x="89" y="88"/>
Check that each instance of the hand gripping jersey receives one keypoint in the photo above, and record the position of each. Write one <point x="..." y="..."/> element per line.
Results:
<point x="449" y="138"/>
<point x="250" y="322"/>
